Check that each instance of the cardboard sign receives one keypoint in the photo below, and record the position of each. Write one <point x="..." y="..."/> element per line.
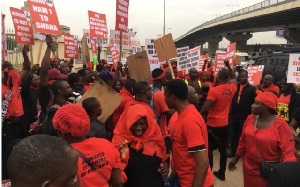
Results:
<point x="165" y="48"/>
<point x="98" y="27"/>
<point x="115" y="39"/>
<point x="71" y="46"/>
<point x="122" y="15"/>
<point x="108" y="98"/>
<point x="93" y="46"/>
<point x="44" y="16"/>
<point x="193" y="58"/>
<point x="294" y="69"/>
<point x="6" y="183"/>
<point x="115" y="55"/>
<point x="139" y="67"/>
<point x="3" y="40"/>
<point x="182" y="57"/>
<point x="255" y="74"/>
<point x="23" y="27"/>
<point x="201" y="61"/>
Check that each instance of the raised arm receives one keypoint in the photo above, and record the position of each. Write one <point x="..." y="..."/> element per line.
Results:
<point x="231" y="72"/>
<point x="46" y="62"/>
<point x="26" y="64"/>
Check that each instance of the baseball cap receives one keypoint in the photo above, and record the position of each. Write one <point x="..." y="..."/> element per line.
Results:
<point x="106" y="75"/>
<point x="56" y="74"/>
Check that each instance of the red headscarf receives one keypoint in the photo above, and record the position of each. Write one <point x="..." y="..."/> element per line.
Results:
<point x="267" y="98"/>
<point x="152" y="141"/>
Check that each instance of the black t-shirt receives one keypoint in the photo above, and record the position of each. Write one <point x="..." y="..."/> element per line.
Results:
<point x="285" y="174"/>
<point x="97" y="129"/>
<point x="297" y="115"/>
<point x="142" y="170"/>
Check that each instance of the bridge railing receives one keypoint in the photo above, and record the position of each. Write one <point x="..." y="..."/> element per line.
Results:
<point x="258" y="6"/>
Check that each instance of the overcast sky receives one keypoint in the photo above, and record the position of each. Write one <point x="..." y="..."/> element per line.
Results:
<point x="147" y="15"/>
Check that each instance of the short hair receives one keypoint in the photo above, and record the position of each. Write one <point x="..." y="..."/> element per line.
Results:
<point x="140" y="87"/>
<point x="129" y="83"/>
<point x="223" y="74"/>
<point x="73" y="77"/>
<point x="157" y="72"/>
<point x="57" y="85"/>
<point x="61" y="68"/>
<point x="178" y="88"/>
<point x="38" y="158"/>
<point x="243" y="71"/>
<point x="82" y="72"/>
<point x="89" y="104"/>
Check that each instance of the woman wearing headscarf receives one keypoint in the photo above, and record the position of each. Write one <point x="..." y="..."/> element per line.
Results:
<point x="145" y="162"/>
<point x="265" y="137"/>
<point x="99" y="161"/>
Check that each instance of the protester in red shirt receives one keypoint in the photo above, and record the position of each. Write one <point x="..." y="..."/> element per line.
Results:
<point x="87" y="77"/>
<point x="190" y="139"/>
<point x="267" y="85"/>
<point x="217" y="105"/>
<point x="284" y="99"/>
<point x="147" y="148"/>
<point x="73" y="124"/>
<point x="265" y="137"/>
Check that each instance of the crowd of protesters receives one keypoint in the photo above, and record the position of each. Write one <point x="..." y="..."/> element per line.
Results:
<point x="163" y="133"/>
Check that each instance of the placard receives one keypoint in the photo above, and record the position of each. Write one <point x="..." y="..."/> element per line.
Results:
<point x="108" y="98"/>
<point x="44" y="16"/>
<point x="182" y="58"/>
<point x="193" y="58"/>
<point x="71" y="46"/>
<point x="294" y="69"/>
<point x="230" y="55"/>
<point x="115" y="39"/>
<point x="93" y="46"/>
<point x="115" y="55"/>
<point x="201" y="61"/>
<point x="165" y="48"/>
<point x="138" y="66"/>
<point x="122" y="15"/>
<point x="109" y="59"/>
<point x="255" y="74"/>
<point x="23" y="27"/>
<point x="98" y="27"/>
<point x="152" y="55"/>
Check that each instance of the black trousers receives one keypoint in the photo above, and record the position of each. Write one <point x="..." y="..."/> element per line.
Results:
<point x="221" y="133"/>
<point x="235" y="131"/>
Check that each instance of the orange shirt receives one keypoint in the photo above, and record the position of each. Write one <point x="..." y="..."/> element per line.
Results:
<point x="190" y="136"/>
<point x="222" y="96"/>
<point x="103" y="155"/>
<point x="160" y="107"/>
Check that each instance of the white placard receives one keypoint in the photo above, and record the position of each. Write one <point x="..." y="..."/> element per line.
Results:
<point x="294" y="69"/>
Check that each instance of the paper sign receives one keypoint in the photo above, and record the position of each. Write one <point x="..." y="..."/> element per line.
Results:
<point x="222" y="55"/>
<point x="109" y="59"/>
<point x="193" y="58"/>
<point x="104" y="42"/>
<point x="3" y="40"/>
<point x="151" y="53"/>
<point x="23" y="27"/>
<point x="231" y="54"/>
<point x="98" y="27"/>
<point x="294" y="69"/>
<point x="255" y="74"/>
<point x="165" y="48"/>
<point x="201" y="61"/>
<point x="44" y="16"/>
<point x="182" y="57"/>
<point x="108" y="98"/>
<point x="115" y="55"/>
<point x="122" y="15"/>
<point x="115" y="39"/>
<point x="93" y="46"/>
<point x="71" y="46"/>
<point x="138" y="66"/>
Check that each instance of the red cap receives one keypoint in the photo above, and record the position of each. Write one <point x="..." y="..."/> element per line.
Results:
<point x="56" y="74"/>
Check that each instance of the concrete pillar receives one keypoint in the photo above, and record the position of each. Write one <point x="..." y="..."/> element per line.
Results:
<point x="213" y="44"/>
<point x="292" y="35"/>
<point x="240" y="38"/>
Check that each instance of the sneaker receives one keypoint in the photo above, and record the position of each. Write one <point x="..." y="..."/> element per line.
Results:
<point x="219" y="175"/>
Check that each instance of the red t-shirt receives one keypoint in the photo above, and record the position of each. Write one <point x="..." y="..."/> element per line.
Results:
<point x="103" y="155"/>
<point x="222" y="95"/>
<point x="190" y="136"/>
<point x="160" y="106"/>
<point x="271" y="88"/>
<point x="86" y="87"/>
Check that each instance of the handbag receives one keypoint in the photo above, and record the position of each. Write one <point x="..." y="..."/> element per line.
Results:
<point x="266" y="167"/>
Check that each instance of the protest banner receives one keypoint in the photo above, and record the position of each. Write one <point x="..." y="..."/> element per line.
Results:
<point x="115" y="39"/>
<point x="166" y="50"/>
<point x="93" y="46"/>
<point x="193" y="58"/>
<point x="44" y="16"/>
<point x="151" y="53"/>
<point x="294" y="69"/>
<point x="115" y="55"/>
<point x="3" y="40"/>
<point x="122" y="15"/>
<point x="255" y="74"/>
<point x="201" y="61"/>
<point x="108" y="98"/>
<point x="219" y="61"/>
<point x="230" y="55"/>
<point x="23" y="27"/>
<point x="70" y="46"/>
<point x="139" y="67"/>
<point x="98" y="27"/>
<point x="182" y="57"/>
